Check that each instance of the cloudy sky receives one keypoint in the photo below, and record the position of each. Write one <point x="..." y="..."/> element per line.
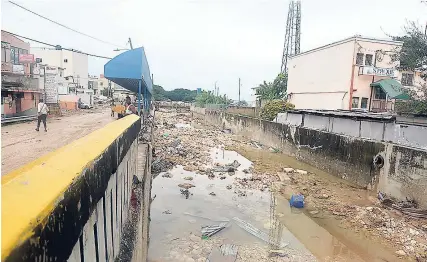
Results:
<point x="191" y="44"/>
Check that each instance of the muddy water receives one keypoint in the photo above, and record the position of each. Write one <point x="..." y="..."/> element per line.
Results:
<point x="326" y="237"/>
<point x="175" y="217"/>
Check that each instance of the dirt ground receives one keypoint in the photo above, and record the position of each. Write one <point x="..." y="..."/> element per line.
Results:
<point x="21" y="144"/>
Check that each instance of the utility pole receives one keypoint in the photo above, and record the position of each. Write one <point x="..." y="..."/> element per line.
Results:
<point x="239" y="93"/>
<point x="130" y="43"/>
<point x="425" y="28"/>
<point x="44" y="81"/>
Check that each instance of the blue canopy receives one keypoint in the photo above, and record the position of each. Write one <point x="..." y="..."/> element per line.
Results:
<point x="131" y="71"/>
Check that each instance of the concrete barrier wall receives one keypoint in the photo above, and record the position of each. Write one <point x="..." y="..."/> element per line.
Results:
<point x="405" y="169"/>
<point x="72" y="203"/>
<point x="381" y="130"/>
<point x="247" y="111"/>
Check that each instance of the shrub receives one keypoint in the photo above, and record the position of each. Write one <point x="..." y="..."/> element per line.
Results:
<point x="273" y="107"/>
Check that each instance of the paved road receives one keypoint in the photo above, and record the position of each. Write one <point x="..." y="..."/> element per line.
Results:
<point x="21" y="144"/>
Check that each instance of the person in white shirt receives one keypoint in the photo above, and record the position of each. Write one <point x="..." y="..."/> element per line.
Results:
<point x="42" y="111"/>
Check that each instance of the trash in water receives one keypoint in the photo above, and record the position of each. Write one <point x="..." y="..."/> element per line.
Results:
<point x="166" y="135"/>
<point x="297" y="201"/>
<point x="161" y="165"/>
<point x="186" y="185"/>
<point x="185" y="192"/>
<point x="256" y="144"/>
<point x="277" y="253"/>
<point x="199" y="216"/>
<point x="167" y="174"/>
<point x="225" y="253"/>
<point x="255" y="231"/>
<point x="188" y="178"/>
<point x="227" y="168"/>
<point x="208" y="231"/>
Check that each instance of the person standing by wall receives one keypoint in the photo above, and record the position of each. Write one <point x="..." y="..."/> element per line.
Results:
<point x="42" y="111"/>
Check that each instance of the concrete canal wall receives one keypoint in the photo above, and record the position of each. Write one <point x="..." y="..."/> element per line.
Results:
<point x="72" y="204"/>
<point x="403" y="172"/>
<point x="377" y="128"/>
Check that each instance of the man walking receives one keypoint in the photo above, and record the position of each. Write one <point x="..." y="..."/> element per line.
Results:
<point x="42" y="111"/>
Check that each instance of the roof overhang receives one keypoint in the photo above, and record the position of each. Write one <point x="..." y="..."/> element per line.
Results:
<point x="128" y="68"/>
<point x="392" y="88"/>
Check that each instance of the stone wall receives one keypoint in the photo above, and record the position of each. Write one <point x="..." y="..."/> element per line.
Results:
<point x="404" y="173"/>
<point x="73" y="203"/>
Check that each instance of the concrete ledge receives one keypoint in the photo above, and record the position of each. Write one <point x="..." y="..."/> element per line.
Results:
<point x="46" y="203"/>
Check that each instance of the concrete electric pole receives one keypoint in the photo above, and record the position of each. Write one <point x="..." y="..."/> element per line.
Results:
<point x="239" y="93"/>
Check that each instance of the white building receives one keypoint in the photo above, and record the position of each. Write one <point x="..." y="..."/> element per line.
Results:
<point x="75" y="64"/>
<point x="354" y="73"/>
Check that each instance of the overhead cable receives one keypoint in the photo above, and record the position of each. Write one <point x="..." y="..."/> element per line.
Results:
<point x="57" y="46"/>
<point x="57" y="23"/>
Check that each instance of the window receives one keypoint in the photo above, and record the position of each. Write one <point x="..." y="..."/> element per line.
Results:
<point x="379" y="93"/>
<point x="407" y="79"/>
<point x="65" y="60"/>
<point x="368" y="60"/>
<point x="12" y="54"/>
<point x="364" y="102"/>
<point x="355" y="102"/>
<point x="359" y="59"/>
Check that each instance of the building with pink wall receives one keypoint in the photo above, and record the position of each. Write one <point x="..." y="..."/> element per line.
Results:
<point x="345" y="75"/>
<point x="20" y="92"/>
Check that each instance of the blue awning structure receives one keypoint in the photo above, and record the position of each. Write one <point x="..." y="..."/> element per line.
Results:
<point x="131" y="71"/>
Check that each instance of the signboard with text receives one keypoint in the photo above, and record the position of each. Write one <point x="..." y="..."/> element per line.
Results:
<point x="376" y="71"/>
<point x="26" y="58"/>
<point x="18" y="69"/>
<point x="51" y="89"/>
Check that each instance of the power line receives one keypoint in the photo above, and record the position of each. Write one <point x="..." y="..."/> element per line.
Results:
<point x="50" y="20"/>
<point x="57" y="46"/>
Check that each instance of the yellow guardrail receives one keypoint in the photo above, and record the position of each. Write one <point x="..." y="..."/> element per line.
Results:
<point x="30" y="193"/>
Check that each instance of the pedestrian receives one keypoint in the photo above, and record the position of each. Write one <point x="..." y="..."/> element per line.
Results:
<point x="112" y="107"/>
<point x="42" y="111"/>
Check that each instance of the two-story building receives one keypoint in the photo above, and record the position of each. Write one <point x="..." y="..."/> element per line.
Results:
<point x="354" y="73"/>
<point x="20" y="92"/>
<point x="74" y="64"/>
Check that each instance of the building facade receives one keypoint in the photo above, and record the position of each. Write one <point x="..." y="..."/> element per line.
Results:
<point x="346" y="75"/>
<point x="74" y="64"/>
<point x="20" y="91"/>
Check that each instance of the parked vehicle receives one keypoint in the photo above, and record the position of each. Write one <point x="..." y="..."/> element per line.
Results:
<point x="83" y="105"/>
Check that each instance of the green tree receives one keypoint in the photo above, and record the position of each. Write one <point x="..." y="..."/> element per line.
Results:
<point x="159" y="93"/>
<point x="273" y="90"/>
<point x="413" y="54"/>
<point x="179" y="94"/>
<point x="273" y="107"/>
<point x="207" y="97"/>
<point x="413" y="57"/>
